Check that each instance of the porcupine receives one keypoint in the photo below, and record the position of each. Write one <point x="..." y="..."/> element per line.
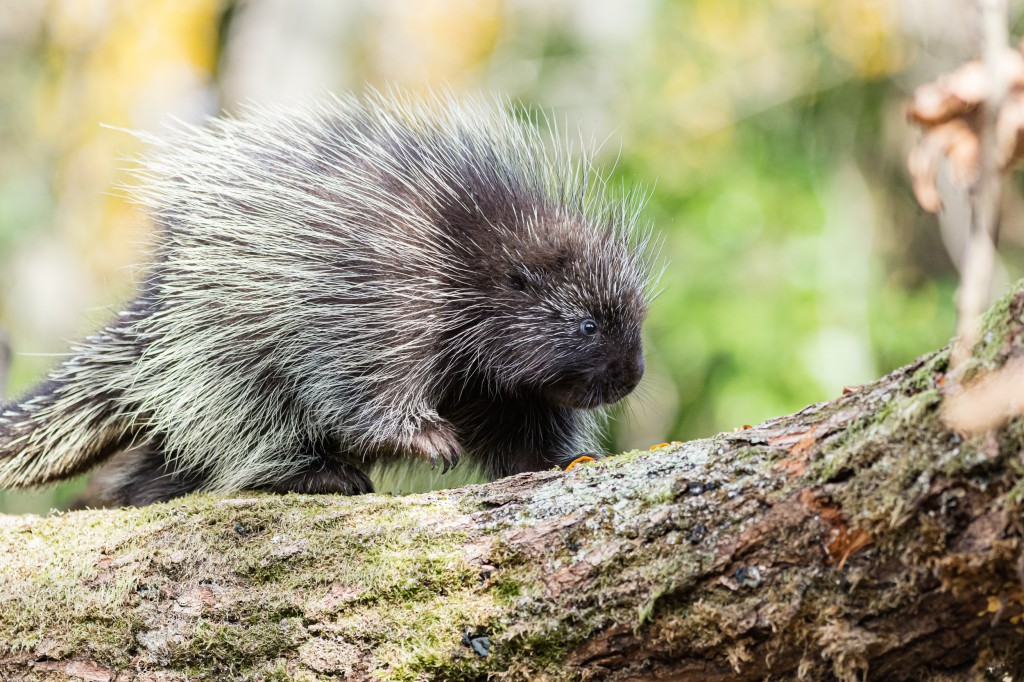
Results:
<point x="348" y="284"/>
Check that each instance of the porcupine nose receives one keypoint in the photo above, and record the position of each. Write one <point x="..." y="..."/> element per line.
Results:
<point x="629" y="372"/>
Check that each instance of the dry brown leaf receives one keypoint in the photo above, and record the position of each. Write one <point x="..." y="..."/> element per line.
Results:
<point x="949" y="111"/>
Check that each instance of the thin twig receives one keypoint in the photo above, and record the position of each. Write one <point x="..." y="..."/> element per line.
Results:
<point x="986" y="191"/>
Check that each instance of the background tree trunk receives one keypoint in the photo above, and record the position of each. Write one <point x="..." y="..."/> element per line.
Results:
<point x="856" y="538"/>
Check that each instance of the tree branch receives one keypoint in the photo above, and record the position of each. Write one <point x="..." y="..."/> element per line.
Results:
<point x="987" y="189"/>
<point x="857" y="538"/>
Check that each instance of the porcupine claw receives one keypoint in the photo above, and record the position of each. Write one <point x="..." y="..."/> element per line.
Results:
<point x="448" y="462"/>
<point x="437" y="442"/>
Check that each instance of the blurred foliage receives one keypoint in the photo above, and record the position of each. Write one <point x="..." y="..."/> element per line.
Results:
<point x="772" y="134"/>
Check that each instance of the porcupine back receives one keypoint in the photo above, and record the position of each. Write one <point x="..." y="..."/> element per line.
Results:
<point x="327" y="282"/>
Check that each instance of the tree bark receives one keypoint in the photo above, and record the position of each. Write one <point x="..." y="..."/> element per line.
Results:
<point x="856" y="539"/>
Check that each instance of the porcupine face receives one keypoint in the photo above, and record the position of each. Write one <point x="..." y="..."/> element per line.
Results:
<point x="580" y="303"/>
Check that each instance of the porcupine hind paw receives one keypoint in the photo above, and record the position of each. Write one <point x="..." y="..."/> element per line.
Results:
<point x="436" y="442"/>
<point x="144" y="475"/>
<point x="324" y="478"/>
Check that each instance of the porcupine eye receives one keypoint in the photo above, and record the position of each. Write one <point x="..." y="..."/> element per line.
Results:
<point x="588" y="327"/>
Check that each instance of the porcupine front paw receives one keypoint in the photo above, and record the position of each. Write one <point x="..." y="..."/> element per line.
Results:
<point x="436" y="441"/>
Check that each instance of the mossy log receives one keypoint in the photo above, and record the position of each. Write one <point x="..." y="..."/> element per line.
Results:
<point x="860" y="538"/>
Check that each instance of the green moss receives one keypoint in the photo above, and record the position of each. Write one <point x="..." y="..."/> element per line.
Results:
<point x="263" y="570"/>
<point x="625" y="458"/>
<point x="750" y="454"/>
<point x="279" y="673"/>
<point x="662" y="494"/>
<point x="546" y="649"/>
<point x="876" y="431"/>
<point x="926" y="376"/>
<point x="1000" y="328"/>
<point x="647" y="608"/>
<point x="87" y="566"/>
<point x="506" y="589"/>
<point x="235" y="647"/>
<point x="1016" y="495"/>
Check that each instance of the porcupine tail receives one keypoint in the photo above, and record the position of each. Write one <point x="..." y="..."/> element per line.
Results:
<point x="76" y="418"/>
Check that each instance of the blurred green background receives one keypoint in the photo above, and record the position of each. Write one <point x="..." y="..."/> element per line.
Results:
<point x="772" y="133"/>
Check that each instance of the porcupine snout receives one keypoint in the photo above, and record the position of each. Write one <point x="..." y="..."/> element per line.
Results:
<point x="625" y="374"/>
